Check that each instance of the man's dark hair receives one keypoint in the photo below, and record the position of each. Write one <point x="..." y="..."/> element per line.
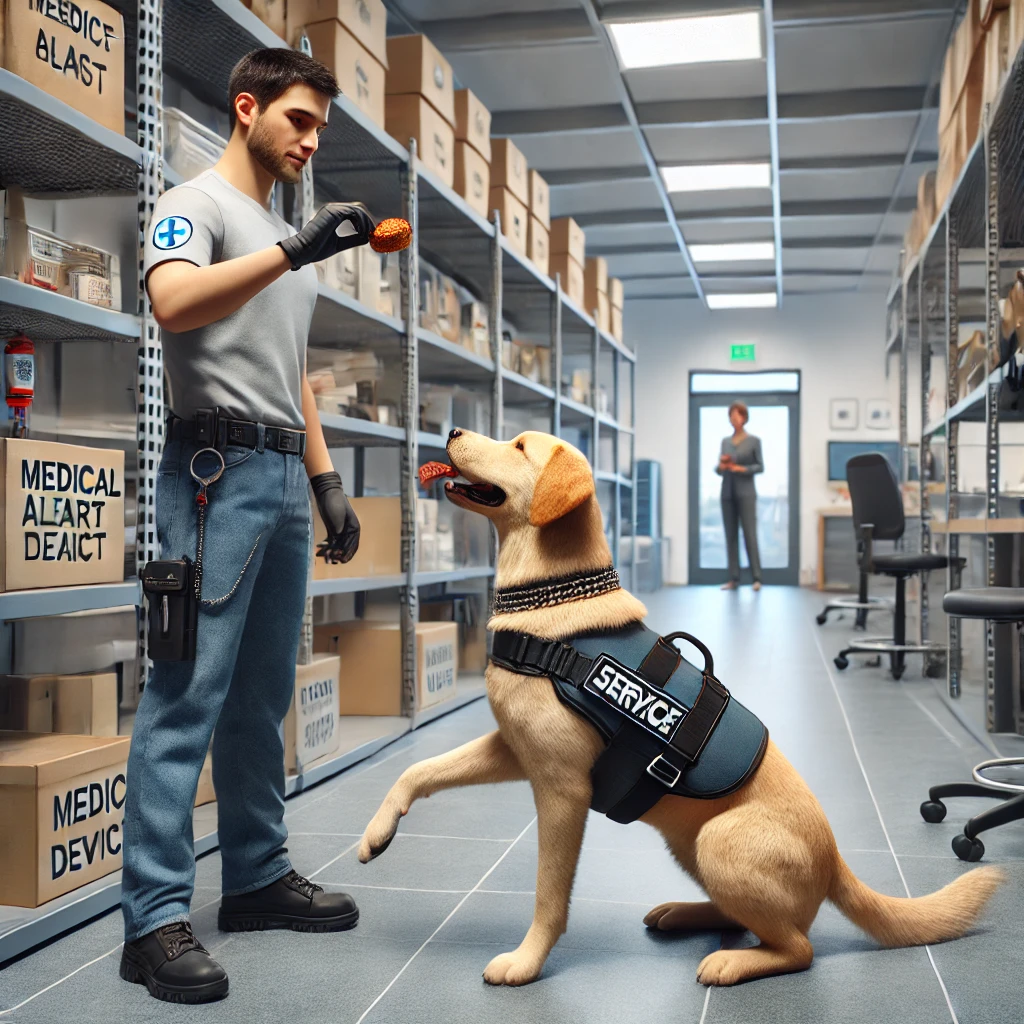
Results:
<point x="268" y="74"/>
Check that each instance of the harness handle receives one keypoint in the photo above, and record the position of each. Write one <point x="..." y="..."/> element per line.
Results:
<point x="709" y="661"/>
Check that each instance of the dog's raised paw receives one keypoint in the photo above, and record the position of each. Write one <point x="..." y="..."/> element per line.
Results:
<point x="512" y="969"/>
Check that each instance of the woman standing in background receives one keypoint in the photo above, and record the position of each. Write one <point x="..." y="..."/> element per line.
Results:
<point x="739" y="463"/>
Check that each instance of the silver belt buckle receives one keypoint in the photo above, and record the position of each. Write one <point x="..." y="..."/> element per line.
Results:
<point x="665" y="772"/>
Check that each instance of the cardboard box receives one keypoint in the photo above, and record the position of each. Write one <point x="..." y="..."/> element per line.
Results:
<point x="85" y="705"/>
<point x="39" y="42"/>
<point x="473" y="123"/>
<point x="26" y="703"/>
<point x="272" y="13"/>
<point x="371" y="658"/>
<point x="62" y="508"/>
<point x="997" y="55"/>
<point x="514" y="217"/>
<point x="926" y="199"/>
<point x="616" y="328"/>
<point x="540" y="200"/>
<point x="615" y="293"/>
<point x="360" y="75"/>
<point x="205" y="793"/>
<point x="380" y="541"/>
<point x="367" y="20"/>
<point x="595" y="280"/>
<point x="62" y="804"/>
<point x="538" y="245"/>
<point x="990" y="9"/>
<point x="602" y="313"/>
<point x="567" y="237"/>
<point x="472" y="178"/>
<point x="561" y="264"/>
<point x="311" y="725"/>
<point x="411" y="116"/>
<point x="416" y="66"/>
<point x="1016" y="27"/>
<point x="509" y="169"/>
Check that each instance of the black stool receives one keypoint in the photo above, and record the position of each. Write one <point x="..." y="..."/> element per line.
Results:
<point x="878" y="515"/>
<point x="995" y="604"/>
<point x="862" y="604"/>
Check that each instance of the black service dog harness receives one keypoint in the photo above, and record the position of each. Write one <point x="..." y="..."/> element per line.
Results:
<point x="669" y="727"/>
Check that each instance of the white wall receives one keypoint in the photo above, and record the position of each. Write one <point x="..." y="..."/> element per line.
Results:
<point x="836" y="341"/>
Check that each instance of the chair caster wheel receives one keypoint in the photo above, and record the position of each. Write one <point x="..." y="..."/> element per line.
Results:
<point x="842" y="663"/>
<point x="821" y="619"/>
<point x="933" y="811"/>
<point x="968" y="849"/>
<point x="933" y="671"/>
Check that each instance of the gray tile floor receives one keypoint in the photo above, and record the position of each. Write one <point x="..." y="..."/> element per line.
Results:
<point x="456" y="887"/>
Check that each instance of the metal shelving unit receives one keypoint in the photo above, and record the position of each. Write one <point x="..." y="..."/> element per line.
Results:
<point x="197" y="42"/>
<point x="966" y="263"/>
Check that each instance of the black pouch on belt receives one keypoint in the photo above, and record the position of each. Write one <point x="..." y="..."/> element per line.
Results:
<point x="173" y="609"/>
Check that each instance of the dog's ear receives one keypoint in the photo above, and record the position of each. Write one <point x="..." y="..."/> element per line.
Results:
<point x="564" y="484"/>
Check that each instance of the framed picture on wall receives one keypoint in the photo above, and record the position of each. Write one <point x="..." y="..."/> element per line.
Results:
<point x="878" y="414"/>
<point x="843" y="413"/>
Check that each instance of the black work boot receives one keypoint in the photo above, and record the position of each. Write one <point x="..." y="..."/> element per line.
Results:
<point x="172" y="963"/>
<point x="290" y="902"/>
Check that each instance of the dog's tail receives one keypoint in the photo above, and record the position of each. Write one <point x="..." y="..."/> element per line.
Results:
<point x="895" y="921"/>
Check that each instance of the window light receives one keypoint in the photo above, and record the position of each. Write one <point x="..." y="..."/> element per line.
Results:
<point x="755" y="300"/>
<point x="715" y="177"/>
<point x="697" y="40"/>
<point x="733" y="252"/>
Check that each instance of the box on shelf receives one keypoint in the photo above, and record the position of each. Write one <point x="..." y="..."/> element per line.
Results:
<point x="371" y="658"/>
<point x="571" y="274"/>
<point x="971" y="364"/>
<point x="416" y="66"/>
<point x="365" y="19"/>
<point x="26" y="703"/>
<point x="271" y="13"/>
<point x="602" y="313"/>
<point x="568" y="237"/>
<point x="63" y="514"/>
<point x="411" y="116"/>
<point x="514" y="217"/>
<point x="509" y="169"/>
<point x="462" y="609"/>
<point x="65" y="797"/>
<point x="360" y="75"/>
<point x="961" y="62"/>
<point x="380" y="540"/>
<point x="990" y="9"/>
<point x="540" y="200"/>
<point x="537" y="245"/>
<point x="85" y="704"/>
<point x="580" y="390"/>
<point x="190" y="147"/>
<point x="475" y="333"/>
<point x="472" y="177"/>
<point x="595" y="280"/>
<point x="47" y="45"/>
<point x="616" y="295"/>
<point x="998" y="55"/>
<point x="473" y="123"/>
<point x="311" y="725"/>
<point x="616" y="324"/>
<point x="205" y="793"/>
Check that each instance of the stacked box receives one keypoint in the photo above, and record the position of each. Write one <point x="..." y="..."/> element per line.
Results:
<point x="567" y="245"/>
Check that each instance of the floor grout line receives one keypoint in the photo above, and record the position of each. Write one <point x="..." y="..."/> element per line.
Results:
<point x="398" y="888"/>
<point x="453" y="912"/>
<point x="333" y="860"/>
<point x="938" y="725"/>
<point x="878" y="811"/>
<point x="402" y="835"/>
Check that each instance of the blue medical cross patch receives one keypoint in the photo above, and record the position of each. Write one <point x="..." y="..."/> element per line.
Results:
<point x="172" y="232"/>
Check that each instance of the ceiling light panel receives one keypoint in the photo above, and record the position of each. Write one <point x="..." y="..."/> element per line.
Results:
<point x="716" y="177"/>
<point x="756" y="300"/>
<point x="668" y="42"/>
<point x="735" y="252"/>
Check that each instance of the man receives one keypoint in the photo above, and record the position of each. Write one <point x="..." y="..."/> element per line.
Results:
<point x="233" y="288"/>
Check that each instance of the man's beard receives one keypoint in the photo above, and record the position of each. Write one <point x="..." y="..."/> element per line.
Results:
<point x="260" y="143"/>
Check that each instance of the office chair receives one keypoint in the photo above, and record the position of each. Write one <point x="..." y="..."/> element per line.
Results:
<point x="878" y="515"/>
<point x="996" y="604"/>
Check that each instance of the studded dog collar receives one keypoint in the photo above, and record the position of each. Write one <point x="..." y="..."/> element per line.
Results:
<point x="558" y="590"/>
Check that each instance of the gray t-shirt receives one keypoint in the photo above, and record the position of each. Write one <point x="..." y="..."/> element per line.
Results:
<point x="251" y="362"/>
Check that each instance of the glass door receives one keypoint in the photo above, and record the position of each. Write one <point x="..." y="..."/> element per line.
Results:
<point x="774" y="418"/>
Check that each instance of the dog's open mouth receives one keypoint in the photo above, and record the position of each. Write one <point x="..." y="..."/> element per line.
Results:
<point x="484" y="494"/>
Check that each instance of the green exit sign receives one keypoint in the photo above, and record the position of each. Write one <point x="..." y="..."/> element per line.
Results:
<point x="746" y="353"/>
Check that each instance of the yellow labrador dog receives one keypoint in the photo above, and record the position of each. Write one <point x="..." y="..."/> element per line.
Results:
<point x="765" y="855"/>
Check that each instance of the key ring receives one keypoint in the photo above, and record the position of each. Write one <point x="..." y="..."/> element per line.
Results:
<point x="205" y="481"/>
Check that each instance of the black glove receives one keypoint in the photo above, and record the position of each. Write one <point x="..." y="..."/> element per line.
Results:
<point x="319" y="238"/>
<point x="339" y="517"/>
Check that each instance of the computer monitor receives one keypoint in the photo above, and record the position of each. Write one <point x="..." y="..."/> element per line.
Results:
<point x="840" y="453"/>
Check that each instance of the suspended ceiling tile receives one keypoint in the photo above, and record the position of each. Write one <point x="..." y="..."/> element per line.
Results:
<point x="695" y="203"/>
<point x="864" y="183"/>
<point x="808" y="260"/>
<point x="567" y="152"/>
<point x="646" y="264"/>
<point x="442" y="10"/>
<point x="855" y="136"/>
<point x="829" y="227"/>
<point x="711" y="232"/>
<point x="725" y="80"/>
<point x="624" y="195"/>
<point x="709" y="144"/>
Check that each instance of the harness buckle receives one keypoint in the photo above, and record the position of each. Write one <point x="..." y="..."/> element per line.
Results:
<point x="665" y="772"/>
<point x="520" y="652"/>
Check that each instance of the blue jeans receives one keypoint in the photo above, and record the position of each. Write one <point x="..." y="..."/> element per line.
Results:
<point x="255" y="572"/>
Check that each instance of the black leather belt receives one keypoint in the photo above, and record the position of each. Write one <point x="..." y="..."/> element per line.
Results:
<point x="209" y="429"/>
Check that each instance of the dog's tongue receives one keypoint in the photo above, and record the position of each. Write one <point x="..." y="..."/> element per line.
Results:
<point x="435" y="471"/>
